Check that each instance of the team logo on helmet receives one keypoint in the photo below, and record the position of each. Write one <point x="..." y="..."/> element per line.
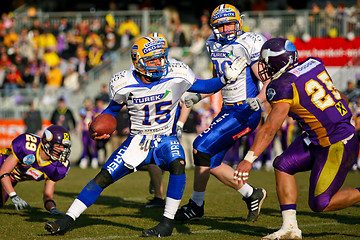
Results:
<point x="48" y="135"/>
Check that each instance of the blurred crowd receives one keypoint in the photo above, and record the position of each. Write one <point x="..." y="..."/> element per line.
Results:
<point x="54" y="55"/>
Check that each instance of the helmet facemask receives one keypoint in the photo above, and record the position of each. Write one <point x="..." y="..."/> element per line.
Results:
<point x="227" y="36"/>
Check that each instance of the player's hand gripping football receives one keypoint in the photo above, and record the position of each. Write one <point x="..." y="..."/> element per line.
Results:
<point x="94" y="135"/>
<point x="241" y="174"/>
<point x="233" y="71"/>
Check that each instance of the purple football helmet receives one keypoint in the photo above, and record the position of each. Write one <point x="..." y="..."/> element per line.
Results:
<point x="53" y="138"/>
<point x="276" y="55"/>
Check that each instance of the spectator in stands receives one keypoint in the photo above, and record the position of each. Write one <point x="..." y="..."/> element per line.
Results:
<point x="33" y="120"/>
<point x="93" y="39"/>
<point x="63" y="116"/>
<point x="71" y="80"/>
<point x="351" y="92"/>
<point x="13" y="80"/>
<point x="87" y="115"/>
<point x="64" y="25"/>
<point x="10" y="38"/>
<point x="128" y="30"/>
<point x="122" y="129"/>
<point x="188" y="136"/>
<point x="104" y="93"/>
<point x="179" y="39"/>
<point x="95" y="55"/>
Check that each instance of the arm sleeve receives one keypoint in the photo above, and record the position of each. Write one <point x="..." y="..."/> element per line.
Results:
<point x="207" y="86"/>
<point x="113" y="108"/>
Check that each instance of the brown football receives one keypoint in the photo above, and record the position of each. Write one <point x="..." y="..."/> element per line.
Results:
<point x="103" y="124"/>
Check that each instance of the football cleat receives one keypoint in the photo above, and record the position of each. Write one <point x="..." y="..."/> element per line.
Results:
<point x="290" y="233"/>
<point x="155" y="203"/>
<point x="254" y="203"/>
<point x="190" y="211"/>
<point x="163" y="229"/>
<point x="60" y="226"/>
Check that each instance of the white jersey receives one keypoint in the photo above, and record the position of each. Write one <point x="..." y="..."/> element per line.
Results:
<point x="152" y="107"/>
<point x="247" y="45"/>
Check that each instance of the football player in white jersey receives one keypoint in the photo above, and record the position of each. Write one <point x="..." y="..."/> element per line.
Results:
<point x="239" y="116"/>
<point x="151" y="94"/>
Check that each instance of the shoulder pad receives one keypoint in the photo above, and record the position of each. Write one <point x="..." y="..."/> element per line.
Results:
<point x="117" y="81"/>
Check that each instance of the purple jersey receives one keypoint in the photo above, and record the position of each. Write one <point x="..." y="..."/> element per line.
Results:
<point x="314" y="102"/>
<point x="26" y="149"/>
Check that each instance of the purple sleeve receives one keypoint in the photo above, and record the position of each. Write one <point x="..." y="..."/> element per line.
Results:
<point x="24" y="147"/>
<point x="280" y="90"/>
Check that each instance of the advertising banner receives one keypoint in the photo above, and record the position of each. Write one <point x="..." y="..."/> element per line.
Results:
<point x="335" y="52"/>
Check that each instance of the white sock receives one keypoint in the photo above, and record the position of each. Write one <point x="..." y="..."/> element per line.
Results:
<point x="76" y="208"/>
<point x="198" y="198"/>
<point x="246" y="190"/>
<point x="171" y="207"/>
<point x="289" y="219"/>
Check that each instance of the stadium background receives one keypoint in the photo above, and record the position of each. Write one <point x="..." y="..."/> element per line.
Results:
<point x="336" y="41"/>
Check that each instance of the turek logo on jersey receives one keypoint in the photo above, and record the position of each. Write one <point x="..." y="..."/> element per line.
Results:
<point x="152" y="98"/>
<point x="219" y="55"/>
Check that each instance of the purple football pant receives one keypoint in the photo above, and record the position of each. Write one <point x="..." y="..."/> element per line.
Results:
<point x="4" y="195"/>
<point x="328" y="165"/>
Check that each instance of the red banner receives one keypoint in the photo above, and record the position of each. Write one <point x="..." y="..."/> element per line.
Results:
<point x="333" y="51"/>
<point x="11" y="128"/>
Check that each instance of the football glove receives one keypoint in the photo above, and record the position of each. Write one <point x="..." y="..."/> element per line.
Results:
<point x="192" y="99"/>
<point x="145" y="143"/>
<point x="54" y="211"/>
<point x="233" y="71"/>
<point x="254" y="103"/>
<point x="19" y="202"/>
<point x="179" y="129"/>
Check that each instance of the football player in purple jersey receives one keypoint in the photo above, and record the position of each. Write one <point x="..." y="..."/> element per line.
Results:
<point x="31" y="157"/>
<point x="328" y="146"/>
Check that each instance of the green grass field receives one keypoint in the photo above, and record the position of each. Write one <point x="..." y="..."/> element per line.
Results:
<point x="117" y="214"/>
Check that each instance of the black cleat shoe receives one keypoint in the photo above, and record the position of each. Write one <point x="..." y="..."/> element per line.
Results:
<point x="254" y="203"/>
<point x="190" y="211"/>
<point x="155" y="203"/>
<point x="163" y="229"/>
<point x="60" y="226"/>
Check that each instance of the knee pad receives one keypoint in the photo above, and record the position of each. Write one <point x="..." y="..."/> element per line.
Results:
<point x="177" y="167"/>
<point x="202" y="159"/>
<point x="103" y="179"/>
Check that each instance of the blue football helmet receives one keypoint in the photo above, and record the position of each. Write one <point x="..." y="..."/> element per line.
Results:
<point x="148" y="48"/>
<point x="223" y="14"/>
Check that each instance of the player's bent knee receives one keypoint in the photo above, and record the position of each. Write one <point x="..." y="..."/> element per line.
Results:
<point x="177" y="167"/>
<point x="202" y="159"/>
<point x="103" y="179"/>
<point x="318" y="206"/>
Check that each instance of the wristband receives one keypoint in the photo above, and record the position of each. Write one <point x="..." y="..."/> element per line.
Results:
<point x="180" y="124"/>
<point x="50" y="200"/>
<point x="12" y="194"/>
<point x="4" y="175"/>
<point x="250" y="157"/>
